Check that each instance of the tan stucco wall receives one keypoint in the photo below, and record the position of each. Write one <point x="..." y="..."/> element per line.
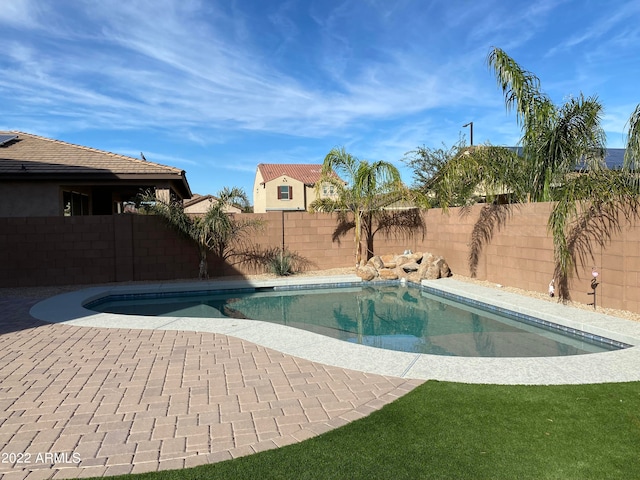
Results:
<point x="269" y="195"/>
<point x="265" y="196"/>
<point x="259" y="194"/>
<point x="202" y="207"/>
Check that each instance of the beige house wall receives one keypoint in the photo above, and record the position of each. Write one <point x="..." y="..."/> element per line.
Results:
<point x="508" y="247"/>
<point x="259" y="194"/>
<point x="266" y="195"/>
<point x="200" y="208"/>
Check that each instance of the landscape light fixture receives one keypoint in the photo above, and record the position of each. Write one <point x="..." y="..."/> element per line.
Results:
<point x="594" y="285"/>
<point x="470" y="125"/>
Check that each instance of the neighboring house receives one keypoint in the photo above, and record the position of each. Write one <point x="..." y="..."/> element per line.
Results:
<point x="281" y="186"/>
<point x="199" y="204"/>
<point x="45" y="177"/>
<point x="613" y="160"/>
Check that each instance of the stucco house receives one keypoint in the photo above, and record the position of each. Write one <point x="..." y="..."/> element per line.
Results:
<point x="199" y="204"/>
<point x="44" y="177"/>
<point x="282" y="186"/>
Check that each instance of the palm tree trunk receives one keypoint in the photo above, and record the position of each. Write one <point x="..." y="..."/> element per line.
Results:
<point x="368" y="229"/>
<point x="358" y="236"/>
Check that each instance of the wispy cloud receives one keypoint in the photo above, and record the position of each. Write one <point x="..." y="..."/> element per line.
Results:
<point x="21" y="13"/>
<point x="604" y="29"/>
<point x="156" y="72"/>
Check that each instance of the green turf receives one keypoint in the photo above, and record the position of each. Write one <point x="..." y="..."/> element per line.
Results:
<point x="460" y="431"/>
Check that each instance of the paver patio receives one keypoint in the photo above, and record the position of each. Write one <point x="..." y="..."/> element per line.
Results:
<point x="85" y="401"/>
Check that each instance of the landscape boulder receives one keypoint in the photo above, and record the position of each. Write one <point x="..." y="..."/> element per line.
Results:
<point x="387" y="274"/>
<point x="376" y="262"/>
<point x="367" y="273"/>
<point x="413" y="267"/>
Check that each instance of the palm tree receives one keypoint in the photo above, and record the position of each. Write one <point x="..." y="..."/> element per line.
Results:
<point x="369" y="188"/>
<point x="224" y="228"/>
<point x="561" y="160"/>
<point x="563" y="150"/>
<point x="555" y="140"/>
<point x="212" y="232"/>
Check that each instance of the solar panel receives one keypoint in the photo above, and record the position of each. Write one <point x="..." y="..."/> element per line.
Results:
<point x="7" y="138"/>
<point x="614" y="158"/>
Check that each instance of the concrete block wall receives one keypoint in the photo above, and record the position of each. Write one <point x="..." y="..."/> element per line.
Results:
<point x="509" y="246"/>
<point x="619" y="266"/>
<point x="158" y="253"/>
<point x="306" y="234"/>
<point x="55" y="250"/>
<point x="520" y="253"/>
<point x="310" y="235"/>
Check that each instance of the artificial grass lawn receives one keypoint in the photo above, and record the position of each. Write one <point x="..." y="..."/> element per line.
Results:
<point x="461" y="431"/>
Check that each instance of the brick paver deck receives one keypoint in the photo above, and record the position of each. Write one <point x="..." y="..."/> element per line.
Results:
<point x="79" y="401"/>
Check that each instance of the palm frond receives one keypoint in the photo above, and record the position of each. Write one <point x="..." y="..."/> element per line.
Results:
<point x="632" y="153"/>
<point x="216" y="231"/>
<point x="590" y="208"/>
<point x="521" y="88"/>
<point x="234" y="196"/>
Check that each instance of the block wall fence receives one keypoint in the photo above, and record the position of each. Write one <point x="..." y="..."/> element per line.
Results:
<point x="512" y="248"/>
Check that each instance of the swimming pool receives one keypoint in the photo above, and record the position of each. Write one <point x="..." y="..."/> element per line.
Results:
<point x="385" y="315"/>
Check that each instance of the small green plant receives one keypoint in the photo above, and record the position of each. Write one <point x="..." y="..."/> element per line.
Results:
<point x="283" y="262"/>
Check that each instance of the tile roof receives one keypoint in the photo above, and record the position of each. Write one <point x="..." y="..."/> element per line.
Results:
<point x="306" y="173"/>
<point x="40" y="155"/>
<point x="197" y="198"/>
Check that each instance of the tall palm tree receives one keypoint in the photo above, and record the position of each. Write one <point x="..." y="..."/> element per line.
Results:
<point x="555" y="140"/>
<point x="561" y="160"/>
<point x="369" y="188"/>
<point x="563" y="150"/>
<point x="589" y="208"/>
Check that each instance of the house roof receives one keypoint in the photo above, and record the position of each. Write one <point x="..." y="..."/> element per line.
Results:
<point x="40" y="157"/>
<point x="613" y="159"/>
<point x="197" y="198"/>
<point x="307" y="173"/>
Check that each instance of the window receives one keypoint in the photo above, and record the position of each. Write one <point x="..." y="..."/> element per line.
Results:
<point x="285" y="192"/>
<point x="75" y="203"/>
<point x="328" y="190"/>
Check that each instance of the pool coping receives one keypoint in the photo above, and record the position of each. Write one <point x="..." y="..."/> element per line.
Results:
<point x="615" y="366"/>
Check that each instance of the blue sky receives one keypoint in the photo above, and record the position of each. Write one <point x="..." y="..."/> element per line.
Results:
<point x="216" y="87"/>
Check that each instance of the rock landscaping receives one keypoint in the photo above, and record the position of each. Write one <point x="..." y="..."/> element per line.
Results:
<point x="413" y="267"/>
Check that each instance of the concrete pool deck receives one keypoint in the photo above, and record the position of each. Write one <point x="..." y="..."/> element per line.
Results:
<point x="86" y="394"/>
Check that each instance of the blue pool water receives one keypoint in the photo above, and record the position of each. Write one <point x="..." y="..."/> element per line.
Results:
<point x="394" y="317"/>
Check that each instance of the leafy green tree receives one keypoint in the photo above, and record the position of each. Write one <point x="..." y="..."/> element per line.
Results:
<point x="463" y="175"/>
<point x="215" y="231"/>
<point x="428" y="164"/>
<point x="369" y="189"/>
